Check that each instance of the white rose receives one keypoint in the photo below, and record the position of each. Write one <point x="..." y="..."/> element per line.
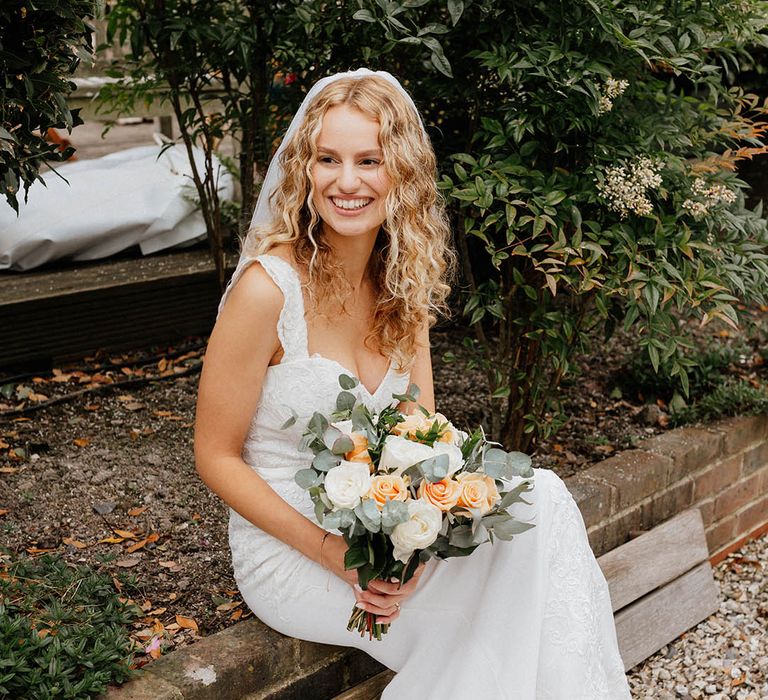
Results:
<point x="455" y="459"/>
<point x="419" y="531"/>
<point x="346" y="484"/>
<point x="400" y="453"/>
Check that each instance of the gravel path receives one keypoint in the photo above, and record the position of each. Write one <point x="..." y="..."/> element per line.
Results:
<point x="726" y="655"/>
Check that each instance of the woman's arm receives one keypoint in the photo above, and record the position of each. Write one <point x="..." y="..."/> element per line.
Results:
<point x="239" y="350"/>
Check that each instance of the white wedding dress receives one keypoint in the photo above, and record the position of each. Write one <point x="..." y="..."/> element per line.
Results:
<point x="528" y="619"/>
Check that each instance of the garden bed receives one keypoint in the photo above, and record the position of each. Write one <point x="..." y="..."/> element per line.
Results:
<point x="107" y="478"/>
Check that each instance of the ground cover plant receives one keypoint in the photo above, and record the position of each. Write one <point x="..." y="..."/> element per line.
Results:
<point x="63" y="629"/>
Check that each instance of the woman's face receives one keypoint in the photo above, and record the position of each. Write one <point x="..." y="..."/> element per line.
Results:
<point x="349" y="178"/>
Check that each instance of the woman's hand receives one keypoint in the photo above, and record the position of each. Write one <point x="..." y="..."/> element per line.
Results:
<point x="383" y="598"/>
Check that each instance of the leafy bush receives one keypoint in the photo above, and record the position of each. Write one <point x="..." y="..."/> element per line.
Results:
<point x="589" y="152"/>
<point x="733" y="397"/>
<point x="41" y="44"/>
<point x="63" y="630"/>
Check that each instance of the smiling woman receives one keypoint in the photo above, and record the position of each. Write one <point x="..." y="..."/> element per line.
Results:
<point x="342" y="273"/>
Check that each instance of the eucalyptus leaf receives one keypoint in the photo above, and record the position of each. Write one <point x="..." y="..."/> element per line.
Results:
<point x="342" y="445"/>
<point x="345" y="401"/>
<point x="495" y="463"/>
<point x="435" y="468"/>
<point x="348" y="382"/>
<point x="306" y="478"/>
<point x="519" y="464"/>
<point x="393" y="513"/>
<point x="508" y="529"/>
<point x="325" y="460"/>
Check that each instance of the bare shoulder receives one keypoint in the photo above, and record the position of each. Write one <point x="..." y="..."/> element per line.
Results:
<point x="255" y="293"/>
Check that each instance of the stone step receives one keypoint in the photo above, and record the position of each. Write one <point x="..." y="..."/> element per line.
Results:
<point x="370" y="689"/>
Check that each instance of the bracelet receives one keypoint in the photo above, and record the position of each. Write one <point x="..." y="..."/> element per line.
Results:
<point x="325" y="536"/>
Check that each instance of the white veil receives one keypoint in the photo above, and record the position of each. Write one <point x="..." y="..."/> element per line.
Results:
<point x="262" y="213"/>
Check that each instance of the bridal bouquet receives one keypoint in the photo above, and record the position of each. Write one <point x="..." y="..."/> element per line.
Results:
<point x="404" y="488"/>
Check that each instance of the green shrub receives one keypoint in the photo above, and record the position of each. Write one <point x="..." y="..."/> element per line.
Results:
<point x="733" y="397"/>
<point x="41" y="44"/>
<point x="63" y="630"/>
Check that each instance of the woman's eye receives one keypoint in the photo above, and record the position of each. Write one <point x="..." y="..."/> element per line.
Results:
<point x="370" y="161"/>
<point x="325" y="159"/>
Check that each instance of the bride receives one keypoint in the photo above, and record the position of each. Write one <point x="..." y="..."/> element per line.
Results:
<point x="342" y="272"/>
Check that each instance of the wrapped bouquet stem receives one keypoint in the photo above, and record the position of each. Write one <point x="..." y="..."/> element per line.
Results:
<point x="405" y="488"/>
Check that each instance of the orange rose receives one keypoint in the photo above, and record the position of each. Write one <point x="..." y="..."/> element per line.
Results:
<point x="444" y="493"/>
<point x="410" y="425"/>
<point x="478" y="491"/>
<point x="359" y="451"/>
<point x="388" y="487"/>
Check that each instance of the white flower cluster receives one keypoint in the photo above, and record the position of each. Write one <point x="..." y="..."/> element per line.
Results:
<point x="625" y="187"/>
<point x="707" y="196"/>
<point x="611" y="89"/>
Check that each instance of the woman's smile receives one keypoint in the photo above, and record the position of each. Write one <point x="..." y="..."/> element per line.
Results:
<point x="349" y="180"/>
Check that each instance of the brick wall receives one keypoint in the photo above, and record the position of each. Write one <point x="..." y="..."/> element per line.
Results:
<point x="720" y="468"/>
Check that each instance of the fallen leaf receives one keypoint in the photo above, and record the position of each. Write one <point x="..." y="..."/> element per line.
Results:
<point x="127" y="371"/>
<point x="226" y="607"/>
<point x="125" y="533"/>
<point x="92" y="407"/>
<point x="118" y="585"/>
<point x="157" y="611"/>
<point x="236" y="615"/>
<point x="112" y="540"/>
<point x="128" y="562"/>
<point x="133" y="406"/>
<point x="8" y="470"/>
<point x="186" y="622"/>
<point x="81" y="442"/>
<point x="4" y="511"/>
<point x="40" y="550"/>
<point x="162" y="364"/>
<point x="133" y="512"/>
<point x="74" y="543"/>
<point x="143" y="543"/>
<point x="170" y="565"/>
<point x="37" y="397"/>
<point x="126" y="397"/>
<point x="146" y="605"/>
<point x="196" y="516"/>
<point x="3" y="444"/>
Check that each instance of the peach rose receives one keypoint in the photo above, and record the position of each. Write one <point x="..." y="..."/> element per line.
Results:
<point x="388" y="487"/>
<point x="359" y="451"/>
<point x="478" y="491"/>
<point x="444" y="493"/>
<point x="411" y="424"/>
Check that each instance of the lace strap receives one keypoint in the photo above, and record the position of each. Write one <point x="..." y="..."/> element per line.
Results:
<point x="291" y="326"/>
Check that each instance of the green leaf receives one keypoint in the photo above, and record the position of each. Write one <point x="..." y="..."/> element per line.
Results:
<point x="364" y="16"/>
<point x="507" y="529"/>
<point x="342" y="445"/>
<point x="455" y="10"/>
<point x="325" y="460"/>
<point x="347" y="382"/>
<point x="306" y="478"/>
<point x="345" y="401"/>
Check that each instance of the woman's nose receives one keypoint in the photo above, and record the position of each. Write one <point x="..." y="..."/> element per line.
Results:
<point x="349" y="179"/>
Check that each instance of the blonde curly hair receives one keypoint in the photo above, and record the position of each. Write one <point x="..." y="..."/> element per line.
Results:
<point x="412" y="261"/>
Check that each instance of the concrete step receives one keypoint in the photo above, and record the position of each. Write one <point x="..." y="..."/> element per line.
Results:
<point x="368" y="690"/>
<point x="250" y="661"/>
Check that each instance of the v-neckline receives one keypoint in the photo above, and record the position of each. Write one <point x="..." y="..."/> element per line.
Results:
<point x="317" y="355"/>
<point x="371" y="394"/>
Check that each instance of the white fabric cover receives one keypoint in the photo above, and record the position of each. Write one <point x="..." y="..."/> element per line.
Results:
<point x="109" y="204"/>
<point x="528" y="619"/>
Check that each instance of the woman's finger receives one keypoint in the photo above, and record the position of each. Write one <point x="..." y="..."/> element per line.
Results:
<point x="383" y="602"/>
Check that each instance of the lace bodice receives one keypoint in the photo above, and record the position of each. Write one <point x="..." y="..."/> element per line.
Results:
<point x="299" y="385"/>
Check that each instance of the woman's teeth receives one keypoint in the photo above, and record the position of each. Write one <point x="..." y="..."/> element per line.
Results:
<point x="350" y="203"/>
